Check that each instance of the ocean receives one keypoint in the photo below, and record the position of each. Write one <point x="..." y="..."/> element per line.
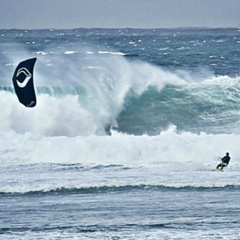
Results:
<point x="128" y="128"/>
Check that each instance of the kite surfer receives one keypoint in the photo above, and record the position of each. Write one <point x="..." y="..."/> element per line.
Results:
<point x="225" y="161"/>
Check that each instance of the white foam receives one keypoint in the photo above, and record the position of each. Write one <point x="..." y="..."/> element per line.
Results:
<point x="69" y="52"/>
<point x="190" y="151"/>
<point x="111" y="53"/>
<point x="41" y="53"/>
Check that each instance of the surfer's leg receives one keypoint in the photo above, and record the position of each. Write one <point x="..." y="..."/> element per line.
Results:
<point x="219" y="165"/>
<point x="224" y="165"/>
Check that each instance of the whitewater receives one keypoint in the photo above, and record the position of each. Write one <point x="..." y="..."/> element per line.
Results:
<point x="128" y="128"/>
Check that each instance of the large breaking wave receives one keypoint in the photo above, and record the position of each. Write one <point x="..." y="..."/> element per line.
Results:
<point x="87" y="94"/>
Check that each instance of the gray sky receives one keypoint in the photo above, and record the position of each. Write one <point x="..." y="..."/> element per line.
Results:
<point x="34" y="14"/>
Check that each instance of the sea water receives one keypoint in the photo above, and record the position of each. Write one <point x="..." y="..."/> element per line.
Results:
<point x="128" y="128"/>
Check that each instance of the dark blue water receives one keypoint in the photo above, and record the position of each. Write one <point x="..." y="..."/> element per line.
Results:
<point x="128" y="214"/>
<point x="186" y="49"/>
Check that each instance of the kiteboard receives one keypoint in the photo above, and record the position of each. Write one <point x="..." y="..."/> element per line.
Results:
<point x="217" y="170"/>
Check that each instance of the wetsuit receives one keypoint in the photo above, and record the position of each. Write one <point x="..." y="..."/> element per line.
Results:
<point x="224" y="163"/>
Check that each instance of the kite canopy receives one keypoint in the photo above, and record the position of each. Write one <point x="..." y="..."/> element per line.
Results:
<point x="23" y="82"/>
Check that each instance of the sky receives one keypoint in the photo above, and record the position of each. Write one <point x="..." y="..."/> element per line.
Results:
<point x="62" y="14"/>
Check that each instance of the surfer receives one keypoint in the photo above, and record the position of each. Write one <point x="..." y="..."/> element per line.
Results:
<point x="225" y="160"/>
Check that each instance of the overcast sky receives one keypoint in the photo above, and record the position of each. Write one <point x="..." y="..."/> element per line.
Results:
<point x="34" y="14"/>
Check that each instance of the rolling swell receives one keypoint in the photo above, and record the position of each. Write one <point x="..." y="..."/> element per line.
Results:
<point x="118" y="189"/>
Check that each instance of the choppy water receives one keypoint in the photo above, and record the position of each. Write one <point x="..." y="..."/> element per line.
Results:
<point x="129" y="125"/>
